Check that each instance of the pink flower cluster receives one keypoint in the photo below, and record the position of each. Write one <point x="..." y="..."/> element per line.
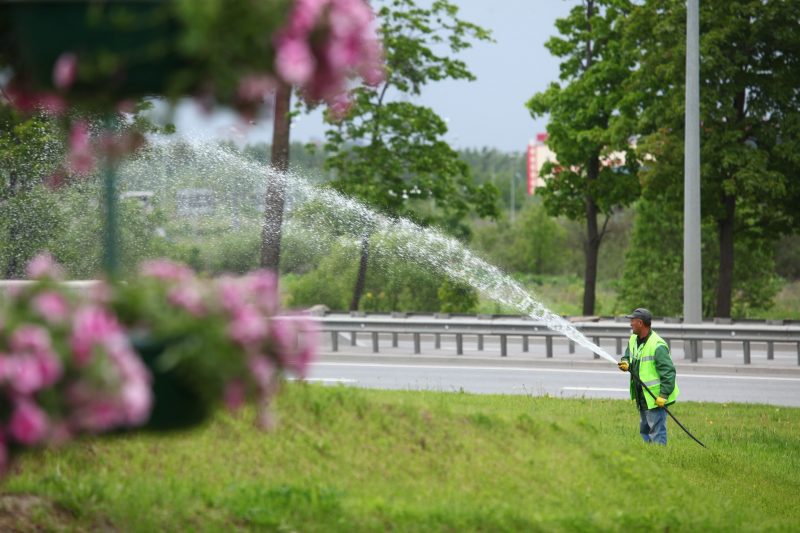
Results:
<point x="326" y="42"/>
<point x="66" y="367"/>
<point x="259" y="342"/>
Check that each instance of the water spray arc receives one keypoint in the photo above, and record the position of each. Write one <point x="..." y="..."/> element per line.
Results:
<point x="326" y="210"/>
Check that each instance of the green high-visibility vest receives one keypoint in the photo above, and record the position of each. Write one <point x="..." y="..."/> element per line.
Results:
<point x="646" y="354"/>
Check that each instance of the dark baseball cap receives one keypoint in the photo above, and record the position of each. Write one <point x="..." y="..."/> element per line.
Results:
<point x="642" y="313"/>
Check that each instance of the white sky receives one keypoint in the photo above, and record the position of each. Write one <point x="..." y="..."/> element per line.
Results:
<point x="487" y="112"/>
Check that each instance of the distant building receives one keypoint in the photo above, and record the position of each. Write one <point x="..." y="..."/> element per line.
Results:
<point x="539" y="154"/>
<point x="194" y="202"/>
<point x="145" y="198"/>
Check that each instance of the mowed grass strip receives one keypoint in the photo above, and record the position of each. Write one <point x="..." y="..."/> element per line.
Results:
<point x="347" y="459"/>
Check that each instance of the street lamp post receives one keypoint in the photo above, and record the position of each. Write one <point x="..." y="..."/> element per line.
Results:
<point x="692" y="282"/>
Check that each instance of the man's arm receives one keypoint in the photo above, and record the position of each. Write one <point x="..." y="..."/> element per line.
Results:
<point x="666" y="371"/>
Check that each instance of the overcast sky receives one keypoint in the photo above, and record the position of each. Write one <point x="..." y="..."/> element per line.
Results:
<point x="487" y="112"/>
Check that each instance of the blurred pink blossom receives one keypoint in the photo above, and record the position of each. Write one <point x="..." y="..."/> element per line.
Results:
<point x="23" y="374"/>
<point x="234" y="395"/>
<point x="80" y="158"/>
<point x="166" y="270"/>
<point x="93" y="325"/>
<point x="263" y="285"/>
<point x="189" y="298"/>
<point x="248" y="327"/>
<point x="30" y="338"/>
<point x="44" y="266"/>
<point x="28" y="424"/>
<point x="52" y="306"/>
<point x="262" y="370"/>
<point x="294" y="61"/>
<point x="65" y="70"/>
<point x="137" y="401"/>
<point x="231" y="295"/>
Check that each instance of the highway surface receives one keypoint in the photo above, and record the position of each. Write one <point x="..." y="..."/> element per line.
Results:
<point x="602" y="380"/>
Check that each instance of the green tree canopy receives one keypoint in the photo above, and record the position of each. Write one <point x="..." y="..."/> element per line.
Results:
<point x="586" y="183"/>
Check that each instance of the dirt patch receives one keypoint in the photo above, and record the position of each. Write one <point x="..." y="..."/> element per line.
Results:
<point x="29" y="512"/>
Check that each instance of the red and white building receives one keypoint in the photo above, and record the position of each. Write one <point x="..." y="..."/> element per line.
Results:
<point x="539" y="154"/>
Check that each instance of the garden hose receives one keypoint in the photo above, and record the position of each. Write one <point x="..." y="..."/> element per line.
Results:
<point x="645" y="387"/>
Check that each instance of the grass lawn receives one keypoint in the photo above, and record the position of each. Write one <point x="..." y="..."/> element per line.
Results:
<point x="345" y="459"/>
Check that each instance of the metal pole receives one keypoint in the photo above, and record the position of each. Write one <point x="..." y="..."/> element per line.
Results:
<point x="111" y="210"/>
<point x="692" y="283"/>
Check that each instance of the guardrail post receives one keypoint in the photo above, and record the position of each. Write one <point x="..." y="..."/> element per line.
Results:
<point x="571" y="346"/>
<point x="335" y="341"/>
<point x="694" y="347"/>
<point x="548" y="341"/>
<point x="770" y="350"/>
<point x="374" y="342"/>
<point x="798" y="353"/>
<point x="480" y="342"/>
<point x="596" y="340"/>
<point x="618" y="344"/>
<point x="352" y="338"/>
<point x="718" y="349"/>
<point x="503" y="346"/>
<point x="459" y="344"/>
<point x="525" y="346"/>
<point x="416" y="343"/>
<point x="394" y="340"/>
<point x="437" y="341"/>
<point x="746" y="347"/>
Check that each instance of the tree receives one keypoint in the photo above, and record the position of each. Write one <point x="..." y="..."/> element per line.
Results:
<point x="586" y="183"/>
<point x="388" y="150"/>
<point x="29" y="155"/>
<point x="750" y="134"/>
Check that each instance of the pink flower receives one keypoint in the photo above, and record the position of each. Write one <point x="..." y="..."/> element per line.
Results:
<point x="262" y="370"/>
<point x="294" y="61"/>
<point x="234" y="395"/>
<point x="166" y="270"/>
<point x="30" y="338"/>
<point x="248" y="328"/>
<point x="81" y="159"/>
<point x="300" y="357"/>
<point x="64" y="70"/>
<point x="50" y="367"/>
<point x="44" y="266"/>
<point x="24" y="374"/>
<point x="137" y="400"/>
<point x="52" y="306"/>
<point x="263" y="285"/>
<point x="340" y="106"/>
<point x="188" y="298"/>
<point x="28" y="424"/>
<point x="90" y="326"/>
<point x="230" y="294"/>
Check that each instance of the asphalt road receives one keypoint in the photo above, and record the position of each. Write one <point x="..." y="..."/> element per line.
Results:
<point x="713" y="385"/>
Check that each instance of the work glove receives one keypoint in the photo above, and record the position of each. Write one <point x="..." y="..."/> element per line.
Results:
<point x="661" y="401"/>
<point x="623" y="365"/>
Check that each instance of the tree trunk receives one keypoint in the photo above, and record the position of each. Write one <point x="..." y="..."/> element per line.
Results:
<point x="358" y="290"/>
<point x="276" y="185"/>
<point x="13" y="270"/>
<point x="593" y="239"/>
<point x="725" y="281"/>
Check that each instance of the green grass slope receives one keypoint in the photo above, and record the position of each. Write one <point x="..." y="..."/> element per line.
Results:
<point x="345" y="459"/>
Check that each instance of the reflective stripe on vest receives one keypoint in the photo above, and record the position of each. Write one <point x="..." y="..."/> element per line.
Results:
<point x="646" y="355"/>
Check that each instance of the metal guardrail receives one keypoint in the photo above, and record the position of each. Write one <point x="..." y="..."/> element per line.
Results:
<point x="437" y="325"/>
<point x="746" y="332"/>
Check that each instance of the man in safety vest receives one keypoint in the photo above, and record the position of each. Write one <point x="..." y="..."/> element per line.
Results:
<point x="648" y="357"/>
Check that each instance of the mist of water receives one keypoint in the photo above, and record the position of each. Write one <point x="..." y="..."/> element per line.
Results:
<point x="239" y="183"/>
